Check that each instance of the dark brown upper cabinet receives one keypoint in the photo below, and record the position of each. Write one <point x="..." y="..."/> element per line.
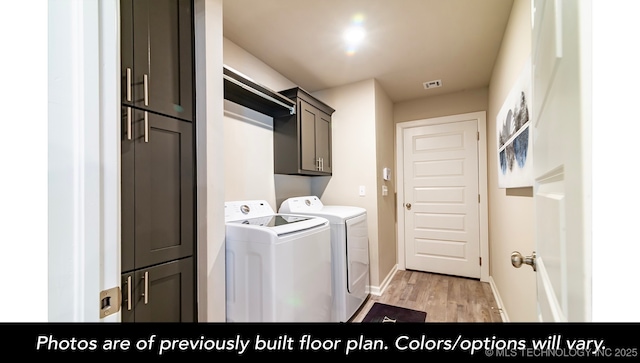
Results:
<point x="157" y="56"/>
<point x="302" y="142"/>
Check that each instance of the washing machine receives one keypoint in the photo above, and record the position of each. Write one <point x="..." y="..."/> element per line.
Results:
<point x="350" y="251"/>
<point x="278" y="266"/>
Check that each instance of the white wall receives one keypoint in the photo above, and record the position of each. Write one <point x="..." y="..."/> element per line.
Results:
<point x="385" y="158"/>
<point x="83" y="160"/>
<point x="23" y="156"/>
<point x="354" y="157"/>
<point x="248" y="150"/>
<point x="248" y="140"/>
<point x="66" y="136"/>
<point x="616" y="76"/>
<point x="510" y="210"/>
<point x="211" y="283"/>
<point x="441" y="105"/>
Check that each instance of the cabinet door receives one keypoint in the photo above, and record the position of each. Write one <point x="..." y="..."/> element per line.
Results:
<point x="127" y="188"/>
<point x="140" y="53"/>
<point x="164" y="189"/>
<point x="163" y="293"/>
<point x="126" y="52"/>
<point x="170" y="58"/>
<point x="323" y="141"/>
<point x="315" y="139"/>
<point x="308" y="118"/>
<point x="162" y="56"/>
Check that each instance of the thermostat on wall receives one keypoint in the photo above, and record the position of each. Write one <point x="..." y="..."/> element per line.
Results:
<point x="386" y="174"/>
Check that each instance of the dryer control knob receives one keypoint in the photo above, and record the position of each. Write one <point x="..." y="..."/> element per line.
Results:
<point x="245" y="209"/>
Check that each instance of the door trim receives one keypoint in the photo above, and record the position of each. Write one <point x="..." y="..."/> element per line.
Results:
<point x="84" y="159"/>
<point x="483" y="210"/>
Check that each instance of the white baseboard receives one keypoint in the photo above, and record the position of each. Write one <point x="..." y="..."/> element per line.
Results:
<point x="496" y="295"/>
<point x="378" y="290"/>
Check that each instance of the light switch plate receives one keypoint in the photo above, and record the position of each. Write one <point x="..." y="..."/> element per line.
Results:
<point x="362" y="191"/>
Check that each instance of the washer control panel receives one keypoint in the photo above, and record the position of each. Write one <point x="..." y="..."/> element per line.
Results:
<point x="301" y="205"/>
<point x="237" y="210"/>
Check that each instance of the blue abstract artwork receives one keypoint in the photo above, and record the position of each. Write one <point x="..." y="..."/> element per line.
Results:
<point x="513" y="127"/>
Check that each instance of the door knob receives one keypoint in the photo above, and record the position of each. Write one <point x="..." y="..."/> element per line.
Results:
<point x="517" y="260"/>
<point x="408" y="205"/>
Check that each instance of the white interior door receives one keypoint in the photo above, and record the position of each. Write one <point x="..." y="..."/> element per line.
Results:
<point x="562" y="165"/>
<point x="441" y="213"/>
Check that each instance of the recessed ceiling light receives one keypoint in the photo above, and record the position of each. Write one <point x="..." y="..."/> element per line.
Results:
<point x="354" y="34"/>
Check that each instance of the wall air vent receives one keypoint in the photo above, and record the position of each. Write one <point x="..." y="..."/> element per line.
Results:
<point x="432" y="84"/>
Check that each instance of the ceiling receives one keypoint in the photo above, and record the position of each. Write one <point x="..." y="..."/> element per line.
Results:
<point x="408" y="42"/>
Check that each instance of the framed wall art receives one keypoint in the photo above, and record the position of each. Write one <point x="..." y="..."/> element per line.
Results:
<point x="513" y="126"/>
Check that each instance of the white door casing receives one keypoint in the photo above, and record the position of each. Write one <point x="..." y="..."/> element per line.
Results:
<point x="561" y="145"/>
<point x="84" y="158"/>
<point x="442" y="173"/>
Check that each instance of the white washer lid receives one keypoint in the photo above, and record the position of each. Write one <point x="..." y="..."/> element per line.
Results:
<point x="341" y="211"/>
<point x="280" y="224"/>
<point x="312" y="205"/>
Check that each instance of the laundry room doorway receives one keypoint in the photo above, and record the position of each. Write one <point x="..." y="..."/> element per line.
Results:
<point x="442" y="195"/>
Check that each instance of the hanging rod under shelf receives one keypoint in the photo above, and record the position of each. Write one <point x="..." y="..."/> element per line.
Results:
<point x="292" y="108"/>
<point x="244" y="91"/>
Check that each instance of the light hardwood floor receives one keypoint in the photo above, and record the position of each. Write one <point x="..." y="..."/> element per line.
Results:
<point x="445" y="298"/>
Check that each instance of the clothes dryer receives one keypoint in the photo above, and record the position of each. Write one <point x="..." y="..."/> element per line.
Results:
<point x="278" y="266"/>
<point x="349" y="251"/>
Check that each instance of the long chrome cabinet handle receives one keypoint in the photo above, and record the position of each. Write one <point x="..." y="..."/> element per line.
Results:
<point x="129" y="293"/>
<point x="128" y="84"/>
<point x="146" y="90"/>
<point x="146" y="287"/>
<point x="146" y="126"/>
<point x="129" y="123"/>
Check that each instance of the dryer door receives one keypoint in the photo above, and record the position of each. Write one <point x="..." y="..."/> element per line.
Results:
<point x="357" y="255"/>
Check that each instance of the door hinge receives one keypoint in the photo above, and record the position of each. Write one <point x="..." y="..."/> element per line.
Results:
<point x="478" y="135"/>
<point x="478" y="198"/>
<point x="110" y="301"/>
<point x="480" y="261"/>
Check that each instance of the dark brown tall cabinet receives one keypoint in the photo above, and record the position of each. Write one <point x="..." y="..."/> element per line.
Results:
<point x="158" y="161"/>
